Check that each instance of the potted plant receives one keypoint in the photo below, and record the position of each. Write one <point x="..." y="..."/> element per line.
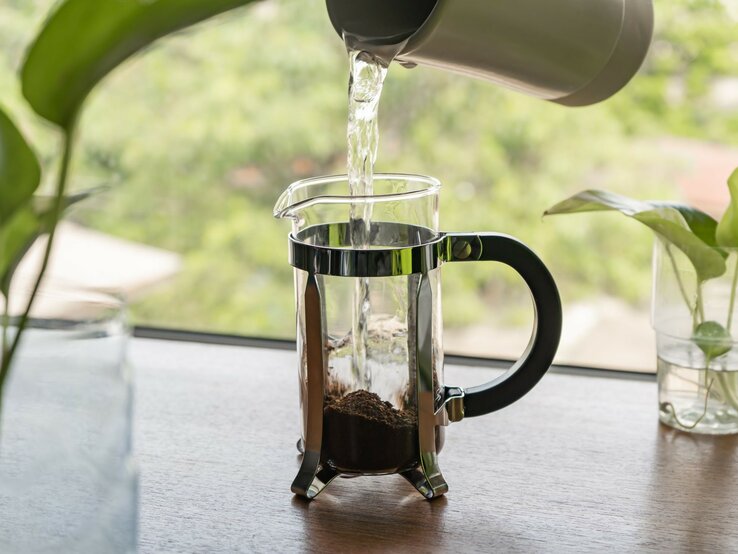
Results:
<point x="693" y="306"/>
<point x="66" y="478"/>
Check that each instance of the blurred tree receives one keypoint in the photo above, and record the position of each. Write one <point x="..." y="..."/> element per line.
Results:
<point x="200" y="145"/>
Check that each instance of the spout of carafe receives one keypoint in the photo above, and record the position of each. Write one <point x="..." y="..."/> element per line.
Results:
<point x="285" y="208"/>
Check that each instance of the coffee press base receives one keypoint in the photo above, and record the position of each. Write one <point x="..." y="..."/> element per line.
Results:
<point x="431" y="486"/>
<point x="313" y="476"/>
<point x="308" y="484"/>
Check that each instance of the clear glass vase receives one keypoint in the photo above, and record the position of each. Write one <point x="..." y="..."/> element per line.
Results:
<point x="67" y="478"/>
<point x="696" y="342"/>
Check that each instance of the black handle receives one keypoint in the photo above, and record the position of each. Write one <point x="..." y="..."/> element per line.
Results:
<point x="537" y="358"/>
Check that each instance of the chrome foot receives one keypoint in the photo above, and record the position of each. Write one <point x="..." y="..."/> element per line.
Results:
<point x="312" y="477"/>
<point x="430" y="487"/>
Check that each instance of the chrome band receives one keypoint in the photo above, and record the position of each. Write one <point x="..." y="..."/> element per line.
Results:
<point x="326" y="250"/>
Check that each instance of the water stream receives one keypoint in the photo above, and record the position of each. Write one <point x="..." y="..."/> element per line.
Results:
<point x="365" y="88"/>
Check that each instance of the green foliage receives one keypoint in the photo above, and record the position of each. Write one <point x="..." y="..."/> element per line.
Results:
<point x="671" y="226"/>
<point x="693" y="232"/>
<point x="252" y="290"/>
<point x="16" y="237"/>
<point x="692" y="47"/>
<point x="201" y="145"/>
<point x="20" y="172"/>
<point x="83" y="41"/>
<point x="689" y="229"/>
<point x="19" y="177"/>
<point x="727" y="230"/>
<point x="77" y="46"/>
<point x="701" y="224"/>
<point x="18" y="234"/>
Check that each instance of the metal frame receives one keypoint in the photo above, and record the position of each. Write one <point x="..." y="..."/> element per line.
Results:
<point x="326" y="250"/>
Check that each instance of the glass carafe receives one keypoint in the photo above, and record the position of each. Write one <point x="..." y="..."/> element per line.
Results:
<point x="369" y="328"/>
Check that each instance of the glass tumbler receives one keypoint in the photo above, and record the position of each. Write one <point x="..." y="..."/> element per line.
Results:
<point x="68" y="482"/>
<point x="695" y="318"/>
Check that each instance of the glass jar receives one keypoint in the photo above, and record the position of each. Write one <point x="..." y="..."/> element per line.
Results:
<point x="68" y="482"/>
<point x="696" y="343"/>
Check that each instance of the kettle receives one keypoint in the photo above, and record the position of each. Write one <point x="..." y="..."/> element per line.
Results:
<point x="572" y="52"/>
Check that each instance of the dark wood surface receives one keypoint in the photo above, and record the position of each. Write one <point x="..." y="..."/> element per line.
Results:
<point x="581" y="464"/>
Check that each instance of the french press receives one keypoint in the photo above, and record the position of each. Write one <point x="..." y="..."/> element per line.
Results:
<point x="388" y="414"/>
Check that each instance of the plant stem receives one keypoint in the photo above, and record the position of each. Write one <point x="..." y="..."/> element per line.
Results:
<point x="5" y="324"/>
<point x="731" y="305"/>
<point x="55" y="216"/>
<point x="670" y="406"/>
<point x="4" y="353"/>
<point x="728" y="389"/>
<point x="685" y="296"/>
<point x="699" y="304"/>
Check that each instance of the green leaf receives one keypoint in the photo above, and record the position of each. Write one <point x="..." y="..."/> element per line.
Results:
<point x="20" y="172"/>
<point x="669" y="224"/>
<point x="727" y="230"/>
<point x="598" y="201"/>
<point x="43" y="205"/>
<point x="84" y="40"/>
<point x="667" y="221"/>
<point x="16" y="237"/>
<point x="703" y="225"/>
<point x="27" y="224"/>
<point x="713" y="339"/>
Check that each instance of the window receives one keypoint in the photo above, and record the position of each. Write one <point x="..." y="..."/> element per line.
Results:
<point x="197" y="137"/>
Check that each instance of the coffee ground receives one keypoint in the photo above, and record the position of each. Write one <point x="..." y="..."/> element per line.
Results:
<point x="362" y="433"/>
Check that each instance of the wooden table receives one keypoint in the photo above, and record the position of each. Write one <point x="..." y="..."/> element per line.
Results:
<point x="580" y="464"/>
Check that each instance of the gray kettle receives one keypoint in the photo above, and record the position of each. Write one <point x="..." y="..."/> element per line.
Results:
<point x="573" y="52"/>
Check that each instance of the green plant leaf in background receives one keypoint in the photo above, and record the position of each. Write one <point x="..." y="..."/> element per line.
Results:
<point x="598" y="201"/>
<point x="727" y="230"/>
<point x="701" y="224"/>
<point x="27" y="224"/>
<point x="20" y="172"/>
<point x="43" y="205"/>
<point x="16" y="237"/>
<point x="670" y="225"/>
<point x="670" y="221"/>
<point x="84" y="40"/>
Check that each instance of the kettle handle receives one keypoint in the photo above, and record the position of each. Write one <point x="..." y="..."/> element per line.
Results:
<point x="526" y="372"/>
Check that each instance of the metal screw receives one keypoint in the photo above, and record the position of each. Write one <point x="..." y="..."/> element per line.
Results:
<point x="461" y="250"/>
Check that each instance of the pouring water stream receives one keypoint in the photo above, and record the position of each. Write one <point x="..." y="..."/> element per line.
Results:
<point x="365" y="88"/>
